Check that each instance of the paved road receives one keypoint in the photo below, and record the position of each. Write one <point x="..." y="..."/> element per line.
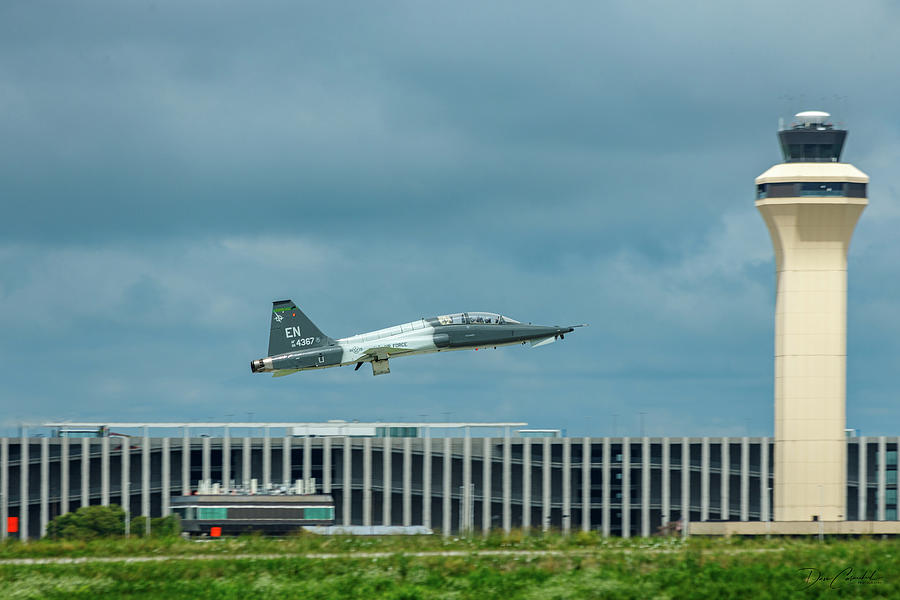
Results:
<point x="350" y="555"/>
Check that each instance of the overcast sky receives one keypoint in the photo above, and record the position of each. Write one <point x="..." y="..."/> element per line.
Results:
<point x="168" y="169"/>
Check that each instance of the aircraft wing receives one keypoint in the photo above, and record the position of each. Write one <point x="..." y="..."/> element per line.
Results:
<point x="383" y="352"/>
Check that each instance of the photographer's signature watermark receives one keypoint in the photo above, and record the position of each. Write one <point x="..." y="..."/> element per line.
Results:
<point x="843" y="578"/>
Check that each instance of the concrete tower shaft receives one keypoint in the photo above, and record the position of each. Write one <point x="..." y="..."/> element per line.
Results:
<point x="811" y="210"/>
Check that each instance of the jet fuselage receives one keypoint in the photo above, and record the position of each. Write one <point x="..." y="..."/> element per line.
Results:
<point x="306" y="348"/>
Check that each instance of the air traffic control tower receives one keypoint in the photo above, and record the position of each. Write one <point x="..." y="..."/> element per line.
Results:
<point x="810" y="204"/>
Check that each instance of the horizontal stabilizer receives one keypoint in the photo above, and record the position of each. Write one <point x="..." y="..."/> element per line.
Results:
<point x="283" y="372"/>
<point x="543" y="342"/>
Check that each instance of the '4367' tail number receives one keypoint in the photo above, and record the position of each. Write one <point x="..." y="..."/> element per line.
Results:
<point x="299" y="343"/>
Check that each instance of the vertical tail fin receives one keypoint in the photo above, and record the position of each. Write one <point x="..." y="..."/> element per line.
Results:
<point x="292" y="330"/>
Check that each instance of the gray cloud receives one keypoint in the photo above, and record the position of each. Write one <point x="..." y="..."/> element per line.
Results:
<point x="170" y="169"/>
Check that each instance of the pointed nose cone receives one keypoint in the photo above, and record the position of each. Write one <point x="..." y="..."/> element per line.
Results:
<point x="544" y="331"/>
<point x="562" y="331"/>
<point x="547" y="331"/>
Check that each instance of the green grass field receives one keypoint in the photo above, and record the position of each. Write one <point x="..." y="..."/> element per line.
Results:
<point x="578" y="566"/>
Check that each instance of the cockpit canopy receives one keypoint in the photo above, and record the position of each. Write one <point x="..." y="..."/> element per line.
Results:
<point x="475" y="318"/>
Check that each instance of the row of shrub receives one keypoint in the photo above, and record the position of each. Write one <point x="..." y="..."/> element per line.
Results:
<point x="91" y="522"/>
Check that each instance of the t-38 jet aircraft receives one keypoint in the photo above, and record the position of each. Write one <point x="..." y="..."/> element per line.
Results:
<point x="296" y="344"/>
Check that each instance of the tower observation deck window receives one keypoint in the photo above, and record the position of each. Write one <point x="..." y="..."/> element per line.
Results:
<point x="812" y="142"/>
<point x="822" y="189"/>
<point x="811" y="188"/>
<point x="811" y="153"/>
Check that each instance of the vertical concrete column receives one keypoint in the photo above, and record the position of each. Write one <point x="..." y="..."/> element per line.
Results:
<point x="367" y="482"/>
<point x="586" y="484"/>
<point x="326" y="466"/>
<point x="725" y="479"/>
<point x="63" y="476"/>
<point x="604" y="492"/>
<point x="4" y="487"/>
<point x="386" y="476"/>
<point x="267" y="459"/>
<point x="104" y="471"/>
<point x="186" y="461"/>
<point x="286" y="461"/>
<point x="745" y="479"/>
<point x="85" y="471"/>
<point x="125" y="475"/>
<point x="546" y="497"/>
<point x="882" y="476"/>
<point x="704" y="480"/>
<point x="448" y="490"/>
<point x="348" y="480"/>
<point x="645" y="487"/>
<point x="166" y="475"/>
<point x="407" y="482"/>
<point x="665" y="483"/>
<point x="626" y="487"/>
<point x="145" y="478"/>
<point x="426" y="480"/>
<point x="567" y="485"/>
<point x="307" y="457"/>
<point x="465" y="509"/>
<point x="507" y="483"/>
<point x="862" y="490"/>
<point x="246" y="464"/>
<point x="486" y="486"/>
<point x="764" y="479"/>
<point x="205" y="467"/>
<point x="45" y="484"/>
<point x="526" y="483"/>
<point x="24" y="460"/>
<point x="685" y="484"/>
<point x="226" y="460"/>
<point x="896" y="484"/>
